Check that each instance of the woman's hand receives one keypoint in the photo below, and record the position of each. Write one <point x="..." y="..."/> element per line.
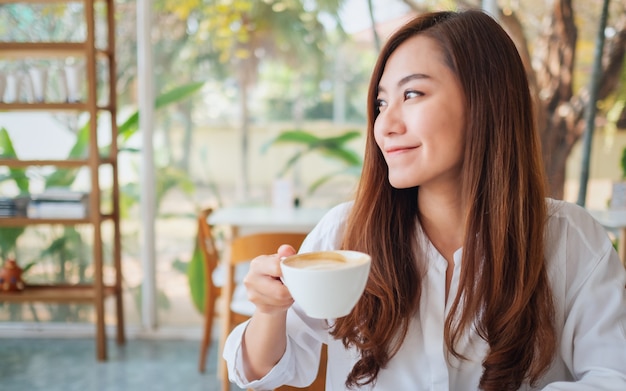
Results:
<point x="263" y="283"/>
<point x="264" y="340"/>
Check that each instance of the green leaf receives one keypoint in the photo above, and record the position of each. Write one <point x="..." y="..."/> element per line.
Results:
<point x="129" y="149"/>
<point x="292" y="160"/>
<point x="65" y="177"/>
<point x="332" y="147"/>
<point x="345" y="137"/>
<point x="61" y="178"/>
<point x="18" y="175"/>
<point x="350" y="171"/>
<point x="81" y="146"/>
<point x="56" y="247"/>
<point x="292" y="136"/>
<point x="195" y="277"/>
<point x="26" y="267"/>
<point x="127" y="128"/>
<point x="347" y="156"/>
<point x="177" y="94"/>
<point x="8" y="239"/>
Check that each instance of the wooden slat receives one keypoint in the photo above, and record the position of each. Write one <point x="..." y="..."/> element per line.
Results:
<point x="62" y="293"/>
<point x="70" y="163"/>
<point x="25" y="221"/>
<point x="41" y="49"/>
<point x="52" y="106"/>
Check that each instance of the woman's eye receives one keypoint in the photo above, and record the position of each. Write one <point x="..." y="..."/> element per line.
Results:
<point x="412" y="94"/>
<point x="380" y="103"/>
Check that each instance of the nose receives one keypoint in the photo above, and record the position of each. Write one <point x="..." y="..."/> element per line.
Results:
<point x="389" y="121"/>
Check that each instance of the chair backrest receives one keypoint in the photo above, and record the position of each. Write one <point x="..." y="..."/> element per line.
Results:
<point x="319" y="384"/>
<point x="210" y="259"/>
<point x="245" y="248"/>
<point x="206" y="242"/>
<point x="242" y="250"/>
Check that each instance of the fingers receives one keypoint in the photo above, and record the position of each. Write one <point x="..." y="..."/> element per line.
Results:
<point x="270" y="294"/>
<point x="286" y="250"/>
<point x="263" y="285"/>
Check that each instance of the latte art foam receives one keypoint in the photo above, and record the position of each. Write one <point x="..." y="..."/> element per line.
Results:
<point x="318" y="264"/>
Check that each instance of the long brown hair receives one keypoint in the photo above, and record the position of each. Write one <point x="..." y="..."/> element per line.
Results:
<point x="503" y="290"/>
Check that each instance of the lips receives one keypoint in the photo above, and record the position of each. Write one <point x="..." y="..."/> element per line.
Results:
<point x="399" y="149"/>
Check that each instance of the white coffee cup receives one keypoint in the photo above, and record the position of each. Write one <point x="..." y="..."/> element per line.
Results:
<point x="326" y="284"/>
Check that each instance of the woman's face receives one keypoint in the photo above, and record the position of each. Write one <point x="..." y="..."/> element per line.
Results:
<point x="420" y="128"/>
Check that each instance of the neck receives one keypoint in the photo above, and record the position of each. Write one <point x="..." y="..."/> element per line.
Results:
<point x="443" y="220"/>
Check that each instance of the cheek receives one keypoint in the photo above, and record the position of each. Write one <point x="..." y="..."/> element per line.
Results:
<point x="377" y="135"/>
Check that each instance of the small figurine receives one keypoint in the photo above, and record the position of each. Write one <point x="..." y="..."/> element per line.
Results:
<point x="11" y="277"/>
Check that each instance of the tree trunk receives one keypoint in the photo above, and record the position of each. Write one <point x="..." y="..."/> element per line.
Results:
<point x="559" y="112"/>
<point x="556" y="51"/>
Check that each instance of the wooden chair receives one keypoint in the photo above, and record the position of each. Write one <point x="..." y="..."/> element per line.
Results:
<point x="244" y="249"/>
<point x="212" y="291"/>
<point x="320" y="381"/>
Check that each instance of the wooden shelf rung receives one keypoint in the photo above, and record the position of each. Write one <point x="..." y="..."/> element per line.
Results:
<point x="61" y="293"/>
<point x="70" y="163"/>
<point x="42" y="49"/>
<point x="26" y="221"/>
<point x="52" y="106"/>
<point x="106" y="52"/>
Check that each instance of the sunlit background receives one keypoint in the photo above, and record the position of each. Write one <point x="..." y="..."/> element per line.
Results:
<point x="240" y="73"/>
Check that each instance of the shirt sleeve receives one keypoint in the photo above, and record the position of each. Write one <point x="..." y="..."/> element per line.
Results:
<point x="299" y="364"/>
<point x="297" y="367"/>
<point x="593" y="339"/>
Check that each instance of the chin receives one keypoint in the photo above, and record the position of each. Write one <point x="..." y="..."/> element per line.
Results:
<point x="401" y="184"/>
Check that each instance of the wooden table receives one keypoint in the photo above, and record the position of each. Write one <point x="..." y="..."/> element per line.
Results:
<point x="248" y="219"/>
<point x="614" y="219"/>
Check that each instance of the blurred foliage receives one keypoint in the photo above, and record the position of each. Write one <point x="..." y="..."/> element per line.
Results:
<point x="334" y="147"/>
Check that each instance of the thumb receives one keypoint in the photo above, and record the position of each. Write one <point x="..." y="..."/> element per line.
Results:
<point x="286" y="250"/>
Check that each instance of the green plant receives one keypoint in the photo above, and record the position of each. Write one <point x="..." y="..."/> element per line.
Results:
<point x="196" y="272"/>
<point x="9" y="235"/>
<point x="334" y="147"/>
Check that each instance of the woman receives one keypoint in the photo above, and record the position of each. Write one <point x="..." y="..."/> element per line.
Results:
<point x="478" y="281"/>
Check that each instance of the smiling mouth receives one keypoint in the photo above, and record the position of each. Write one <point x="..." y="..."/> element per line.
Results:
<point x="394" y="151"/>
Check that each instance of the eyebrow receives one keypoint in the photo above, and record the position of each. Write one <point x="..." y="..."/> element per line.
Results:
<point x="408" y="78"/>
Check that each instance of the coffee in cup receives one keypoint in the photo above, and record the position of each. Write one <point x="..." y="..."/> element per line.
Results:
<point x="326" y="284"/>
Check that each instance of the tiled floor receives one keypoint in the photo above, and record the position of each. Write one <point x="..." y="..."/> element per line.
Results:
<point x="30" y="364"/>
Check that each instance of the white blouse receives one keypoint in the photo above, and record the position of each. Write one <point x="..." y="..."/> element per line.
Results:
<point x="588" y="283"/>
